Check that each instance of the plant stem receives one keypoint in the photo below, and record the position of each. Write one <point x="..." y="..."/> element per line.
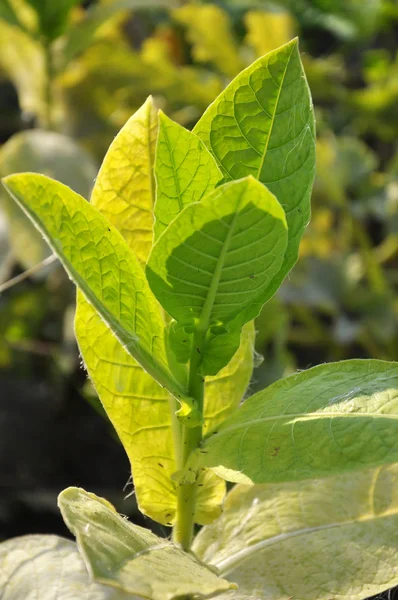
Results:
<point x="191" y="437"/>
<point x="48" y="92"/>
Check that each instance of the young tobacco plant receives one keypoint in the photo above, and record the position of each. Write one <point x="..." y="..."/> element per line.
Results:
<point x="187" y="235"/>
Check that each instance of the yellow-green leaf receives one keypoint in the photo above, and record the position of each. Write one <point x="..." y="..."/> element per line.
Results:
<point x="331" y="419"/>
<point x="224" y="391"/>
<point x="209" y="31"/>
<point x="268" y="30"/>
<point x="100" y="263"/>
<point x="125" y="188"/>
<point x="313" y="540"/>
<point x="120" y="554"/>
<point x="185" y="171"/>
<point x="22" y="59"/>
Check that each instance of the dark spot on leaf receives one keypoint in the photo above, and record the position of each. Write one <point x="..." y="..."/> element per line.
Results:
<point x="276" y="451"/>
<point x="198" y="350"/>
<point x="160" y="465"/>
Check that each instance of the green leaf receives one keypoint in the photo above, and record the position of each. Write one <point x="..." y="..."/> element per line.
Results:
<point x="50" y="568"/>
<point x="132" y="558"/>
<point x="224" y="392"/>
<point x="330" y="419"/>
<point x="215" y="257"/>
<point x="54" y="155"/>
<point x="262" y="125"/>
<point x="332" y="538"/>
<point x="53" y="16"/>
<point x="100" y="263"/>
<point x="125" y="188"/>
<point x="184" y="169"/>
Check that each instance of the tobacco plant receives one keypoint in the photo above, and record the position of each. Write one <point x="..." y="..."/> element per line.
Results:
<point x="186" y="237"/>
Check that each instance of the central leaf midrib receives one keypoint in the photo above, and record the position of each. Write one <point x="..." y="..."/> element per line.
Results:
<point x="304" y="417"/>
<point x="226" y="565"/>
<point x="273" y="117"/>
<point x="173" y="164"/>
<point x="212" y="291"/>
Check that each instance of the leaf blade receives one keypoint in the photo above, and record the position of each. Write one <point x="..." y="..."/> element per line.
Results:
<point x="296" y="539"/>
<point x="245" y="128"/>
<point x="204" y="239"/>
<point x="328" y="420"/>
<point x="129" y="557"/>
<point x="184" y="169"/>
<point x="83" y="240"/>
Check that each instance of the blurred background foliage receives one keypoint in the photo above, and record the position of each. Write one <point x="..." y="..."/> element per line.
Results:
<point x="71" y="73"/>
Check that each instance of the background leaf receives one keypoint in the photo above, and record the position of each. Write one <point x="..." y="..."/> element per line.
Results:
<point x="262" y="124"/>
<point x="330" y="538"/>
<point x="132" y="558"/>
<point x="330" y="419"/>
<point x="54" y="155"/>
<point x="184" y="169"/>
<point x="50" y="568"/>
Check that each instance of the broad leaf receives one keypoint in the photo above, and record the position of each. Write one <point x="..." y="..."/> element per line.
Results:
<point x="263" y="125"/>
<point x="132" y="558"/>
<point x="54" y="155"/>
<point x="50" y="568"/>
<point x="268" y="30"/>
<point x="100" y="263"/>
<point x="125" y="188"/>
<point x="143" y="414"/>
<point x="333" y="418"/>
<point x="209" y="30"/>
<point x="332" y="538"/>
<point x="22" y="59"/>
<point x="218" y="254"/>
<point x="224" y="392"/>
<point x="185" y="171"/>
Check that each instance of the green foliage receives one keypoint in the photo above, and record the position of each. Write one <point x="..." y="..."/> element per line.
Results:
<point x="172" y="265"/>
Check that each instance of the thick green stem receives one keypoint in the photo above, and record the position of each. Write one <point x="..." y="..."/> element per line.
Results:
<point x="192" y="436"/>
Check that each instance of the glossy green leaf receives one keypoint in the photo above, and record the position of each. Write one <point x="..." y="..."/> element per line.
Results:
<point x="100" y="263"/>
<point x="184" y="169"/>
<point x="132" y="558"/>
<point x="50" y="568"/>
<point x="224" y="392"/>
<point x="262" y="125"/>
<point x="54" y="155"/>
<point x="125" y="188"/>
<point x="218" y="254"/>
<point x="313" y="540"/>
<point x="330" y="419"/>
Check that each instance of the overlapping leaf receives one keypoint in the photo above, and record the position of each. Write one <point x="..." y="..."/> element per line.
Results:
<point x="185" y="171"/>
<point x="129" y="557"/>
<point x="125" y="188"/>
<point x="50" y="568"/>
<point x="330" y="419"/>
<point x="331" y="538"/>
<point x="262" y="124"/>
<point x="219" y="254"/>
<point x="102" y="266"/>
